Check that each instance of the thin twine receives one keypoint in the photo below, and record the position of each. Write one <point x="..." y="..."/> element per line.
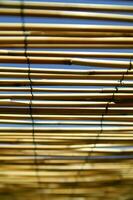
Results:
<point x="88" y="157"/>
<point x="32" y="97"/>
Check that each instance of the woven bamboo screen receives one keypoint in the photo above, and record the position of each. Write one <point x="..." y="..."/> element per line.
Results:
<point x="66" y="101"/>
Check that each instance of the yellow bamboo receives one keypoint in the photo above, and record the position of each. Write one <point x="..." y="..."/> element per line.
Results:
<point x="65" y="33"/>
<point x="64" y="27"/>
<point x="67" y="61"/>
<point x="68" y="46"/>
<point x="67" y="54"/>
<point x="68" y="6"/>
<point x="66" y="14"/>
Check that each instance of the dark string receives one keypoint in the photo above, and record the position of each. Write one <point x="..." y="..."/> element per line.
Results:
<point x="102" y="120"/>
<point x="32" y="97"/>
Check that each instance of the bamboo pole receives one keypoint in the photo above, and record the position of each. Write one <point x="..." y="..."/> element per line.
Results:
<point x="74" y="158"/>
<point x="67" y="6"/>
<point x="63" y="82"/>
<point x="65" y="40"/>
<point x="67" y="61"/>
<point x="68" y="89"/>
<point x="60" y="130"/>
<point x="66" y="76"/>
<point x="70" y="96"/>
<point x="67" y="54"/>
<point x="66" y="14"/>
<point x="64" y="27"/>
<point x="67" y="110"/>
<point x="87" y="166"/>
<point x="12" y="102"/>
<point x="65" y="34"/>
<point x="7" y="137"/>
<point x="127" y="118"/>
<point x="69" y="46"/>
<point x="64" y="122"/>
<point x="71" y="148"/>
<point x="65" y="71"/>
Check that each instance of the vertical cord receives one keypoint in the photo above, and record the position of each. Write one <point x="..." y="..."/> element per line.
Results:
<point x="102" y="120"/>
<point x="32" y="97"/>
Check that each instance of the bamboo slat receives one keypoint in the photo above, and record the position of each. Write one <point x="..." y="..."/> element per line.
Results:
<point x="64" y="27"/>
<point x="70" y="46"/>
<point x="66" y="116"/>
<point x="65" y="40"/>
<point x="67" y="61"/>
<point x="67" y="54"/>
<point x="69" y="6"/>
<point x="65" y="33"/>
<point x="66" y="14"/>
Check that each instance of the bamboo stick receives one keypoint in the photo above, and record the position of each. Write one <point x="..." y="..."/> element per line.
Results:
<point x="77" y="167"/>
<point x="65" y="148"/>
<point x="41" y="158"/>
<point x="65" y="34"/>
<point x="71" y="96"/>
<point x="65" y="71"/>
<point x="11" y="102"/>
<point x="62" y="76"/>
<point x="64" y="27"/>
<point x="67" y="110"/>
<point x="68" y="6"/>
<point x="66" y="14"/>
<point x="61" y="122"/>
<point x="127" y="118"/>
<point x="66" y="40"/>
<point x="63" y="82"/>
<point x="65" y="129"/>
<point x="64" y="135"/>
<point x="69" y="46"/>
<point x="66" y="61"/>
<point x="68" y="89"/>
<point x="67" y="54"/>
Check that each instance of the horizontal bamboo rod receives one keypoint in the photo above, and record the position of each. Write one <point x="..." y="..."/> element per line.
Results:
<point x="66" y="14"/>
<point x="65" y="129"/>
<point x="7" y="136"/>
<point x="72" y="140"/>
<point x="66" y="71"/>
<point x="65" y="40"/>
<point x="82" y="146"/>
<point x="117" y="149"/>
<point x="66" y="110"/>
<point x="67" y="61"/>
<point x="68" y="46"/>
<point x="12" y="102"/>
<point x="77" y="167"/>
<point x="42" y="158"/>
<point x="68" y="89"/>
<point x="66" y="54"/>
<point x="63" y="122"/>
<point x="65" y="33"/>
<point x="26" y="137"/>
<point x="50" y="174"/>
<point x="67" y="6"/>
<point x="127" y="118"/>
<point x="60" y="180"/>
<point x="64" y="27"/>
<point x="66" y="76"/>
<point x="70" y="96"/>
<point x="63" y="153"/>
<point x="62" y="82"/>
<point x="99" y="147"/>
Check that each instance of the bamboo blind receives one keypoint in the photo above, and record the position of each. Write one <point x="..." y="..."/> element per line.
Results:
<point x="66" y="102"/>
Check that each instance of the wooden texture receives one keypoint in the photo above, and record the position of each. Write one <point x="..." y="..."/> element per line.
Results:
<point x="66" y="116"/>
